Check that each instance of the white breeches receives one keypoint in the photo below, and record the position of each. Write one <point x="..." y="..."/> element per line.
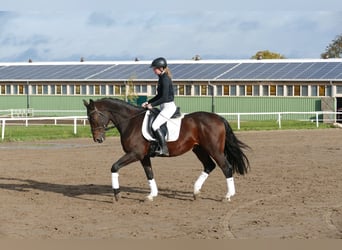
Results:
<point x="167" y="110"/>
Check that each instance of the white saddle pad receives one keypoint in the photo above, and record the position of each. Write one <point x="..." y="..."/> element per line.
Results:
<point x="173" y="128"/>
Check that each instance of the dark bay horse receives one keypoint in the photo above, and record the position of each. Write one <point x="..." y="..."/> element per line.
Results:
<point x="208" y="135"/>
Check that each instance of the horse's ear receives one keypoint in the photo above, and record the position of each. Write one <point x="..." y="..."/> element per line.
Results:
<point x="91" y="103"/>
<point x="85" y="103"/>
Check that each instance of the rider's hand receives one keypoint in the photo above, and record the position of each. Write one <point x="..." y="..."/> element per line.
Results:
<point x="146" y="105"/>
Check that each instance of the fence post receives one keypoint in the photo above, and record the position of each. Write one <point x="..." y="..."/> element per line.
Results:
<point x="238" y="121"/>
<point x="317" y="124"/>
<point x="75" y="125"/>
<point x="279" y="120"/>
<point x="3" y="129"/>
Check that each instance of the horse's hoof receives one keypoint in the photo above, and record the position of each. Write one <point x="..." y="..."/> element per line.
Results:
<point x="226" y="199"/>
<point x="149" y="198"/>
<point x="117" y="197"/>
<point x="197" y="195"/>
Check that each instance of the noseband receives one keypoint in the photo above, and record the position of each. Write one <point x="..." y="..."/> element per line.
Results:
<point x="103" y="126"/>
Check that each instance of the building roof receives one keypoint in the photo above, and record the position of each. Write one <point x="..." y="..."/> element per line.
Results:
<point x="182" y="70"/>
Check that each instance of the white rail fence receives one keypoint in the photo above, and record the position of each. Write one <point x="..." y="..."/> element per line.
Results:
<point x="26" y="120"/>
<point x="317" y="117"/>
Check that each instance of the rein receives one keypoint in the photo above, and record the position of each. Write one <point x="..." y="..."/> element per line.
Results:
<point x="106" y="117"/>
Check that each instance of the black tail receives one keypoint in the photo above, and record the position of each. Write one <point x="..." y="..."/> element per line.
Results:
<point x="233" y="151"/>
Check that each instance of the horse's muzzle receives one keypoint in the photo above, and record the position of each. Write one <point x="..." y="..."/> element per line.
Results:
<point x="99" y="140"/>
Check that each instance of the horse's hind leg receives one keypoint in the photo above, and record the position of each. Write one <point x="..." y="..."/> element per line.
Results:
<point x="208" y="165"/>
<point x="146" y="162"/>
<point x="227" y="170"/>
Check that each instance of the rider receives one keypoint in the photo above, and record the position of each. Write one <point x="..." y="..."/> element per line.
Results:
<point x="164" y="98"/>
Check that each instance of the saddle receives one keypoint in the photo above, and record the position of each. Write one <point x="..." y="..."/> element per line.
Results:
<point x="153" y="115"/>
<point x="170" y="129"/>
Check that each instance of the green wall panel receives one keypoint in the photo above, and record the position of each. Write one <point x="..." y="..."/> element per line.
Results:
<point x="187" y="104"/>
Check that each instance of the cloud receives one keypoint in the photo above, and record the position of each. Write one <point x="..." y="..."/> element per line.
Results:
<point x="100" y="19"/>
<point x="49" y="35"/>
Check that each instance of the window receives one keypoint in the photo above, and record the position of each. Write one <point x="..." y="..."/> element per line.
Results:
<point x="175" y="89"/>
<point x="314" y="91"/>
<point x="273" y="90"/>
<point x="33" y="89"/>
<point x="289" y="90"/>
<point x="204" y="90"/>
<point x="242" y="90"/>
<point x="140" y="89"/>
<point x="329" y="90"/>
<point x="305" y="90"/>
<point x="71" y="89"/>
<point x="249" y="90"/>
<point x="97" y="89"/>
<point x="219" y="90"/>
<point x="91" y="89"/>
<point x="3" y="89"/>
<point x="233" y="90"/>
<point x="45" y="89"/>
<point x="321" y="90"/>
<point x="77" y="89"/>
<point x="226" y="90"/>
<point x="110" y="90"/>
<point x="280" y="90"/>
<point x="153" y="89"/>
<point x="197" y="89"/>
<point x="39" y="89"/>
<point x="21" y="89"/>
<point x="188" y="89"/>
<point x="338" y="89"/>
<point x="256" y="91"/>
<point x="15" y="90"/>
<point x="296" y="90"/>
<point x="58" y="89"/>
<point x="52" y="89"/>
<point x="64" y="89"/>
<point x="265" y="90"/>
<point x="117" y="90"/>
<point x="83" y="89"/>
<point x="211" y="90"/>
<point x="180" y="90"/>
<point x="103" y="89"/>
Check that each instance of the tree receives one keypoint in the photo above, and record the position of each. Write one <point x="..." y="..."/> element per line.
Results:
<point x="334" y="49"/>
<point x="130" y="95"/>
<point x="266" y="54"/>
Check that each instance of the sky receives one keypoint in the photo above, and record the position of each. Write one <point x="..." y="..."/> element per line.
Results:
<point x="107" y="30"/>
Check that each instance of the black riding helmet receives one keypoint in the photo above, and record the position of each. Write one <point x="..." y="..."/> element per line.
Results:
<point x="159" y="62"/>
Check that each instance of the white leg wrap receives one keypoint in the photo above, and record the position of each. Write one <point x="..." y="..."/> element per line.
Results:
<point x="115" y="180"/>
<point x="231" y="187"/>
<point x="198" y="184"/>
<point x="154" y="189"/>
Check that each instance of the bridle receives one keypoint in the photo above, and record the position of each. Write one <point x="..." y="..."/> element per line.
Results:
<point x="103" y="126"/>
<point x="103" y="120"/>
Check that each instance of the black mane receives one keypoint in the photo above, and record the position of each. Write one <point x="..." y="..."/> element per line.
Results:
<point x="112" y="100"/>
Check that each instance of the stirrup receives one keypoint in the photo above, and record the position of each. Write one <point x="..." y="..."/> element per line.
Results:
<point x="161" y="152"/>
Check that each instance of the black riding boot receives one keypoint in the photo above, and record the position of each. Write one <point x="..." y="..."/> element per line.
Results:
<point x="161" y="140"/>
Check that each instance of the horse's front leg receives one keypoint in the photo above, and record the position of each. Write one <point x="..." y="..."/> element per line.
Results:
<point x="146" y="162"/>
<point x="123" y="161"/>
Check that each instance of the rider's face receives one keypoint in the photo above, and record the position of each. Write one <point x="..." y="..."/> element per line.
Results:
<point x="157" y="71"/>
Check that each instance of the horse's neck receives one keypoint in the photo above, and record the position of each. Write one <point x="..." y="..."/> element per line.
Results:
<point x="122" y="114"/>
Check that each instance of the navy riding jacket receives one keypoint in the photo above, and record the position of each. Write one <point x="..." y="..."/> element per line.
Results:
<point x="164" y="91"/>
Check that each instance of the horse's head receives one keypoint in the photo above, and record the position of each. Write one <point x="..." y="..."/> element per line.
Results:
<point x="98" y="121"/>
